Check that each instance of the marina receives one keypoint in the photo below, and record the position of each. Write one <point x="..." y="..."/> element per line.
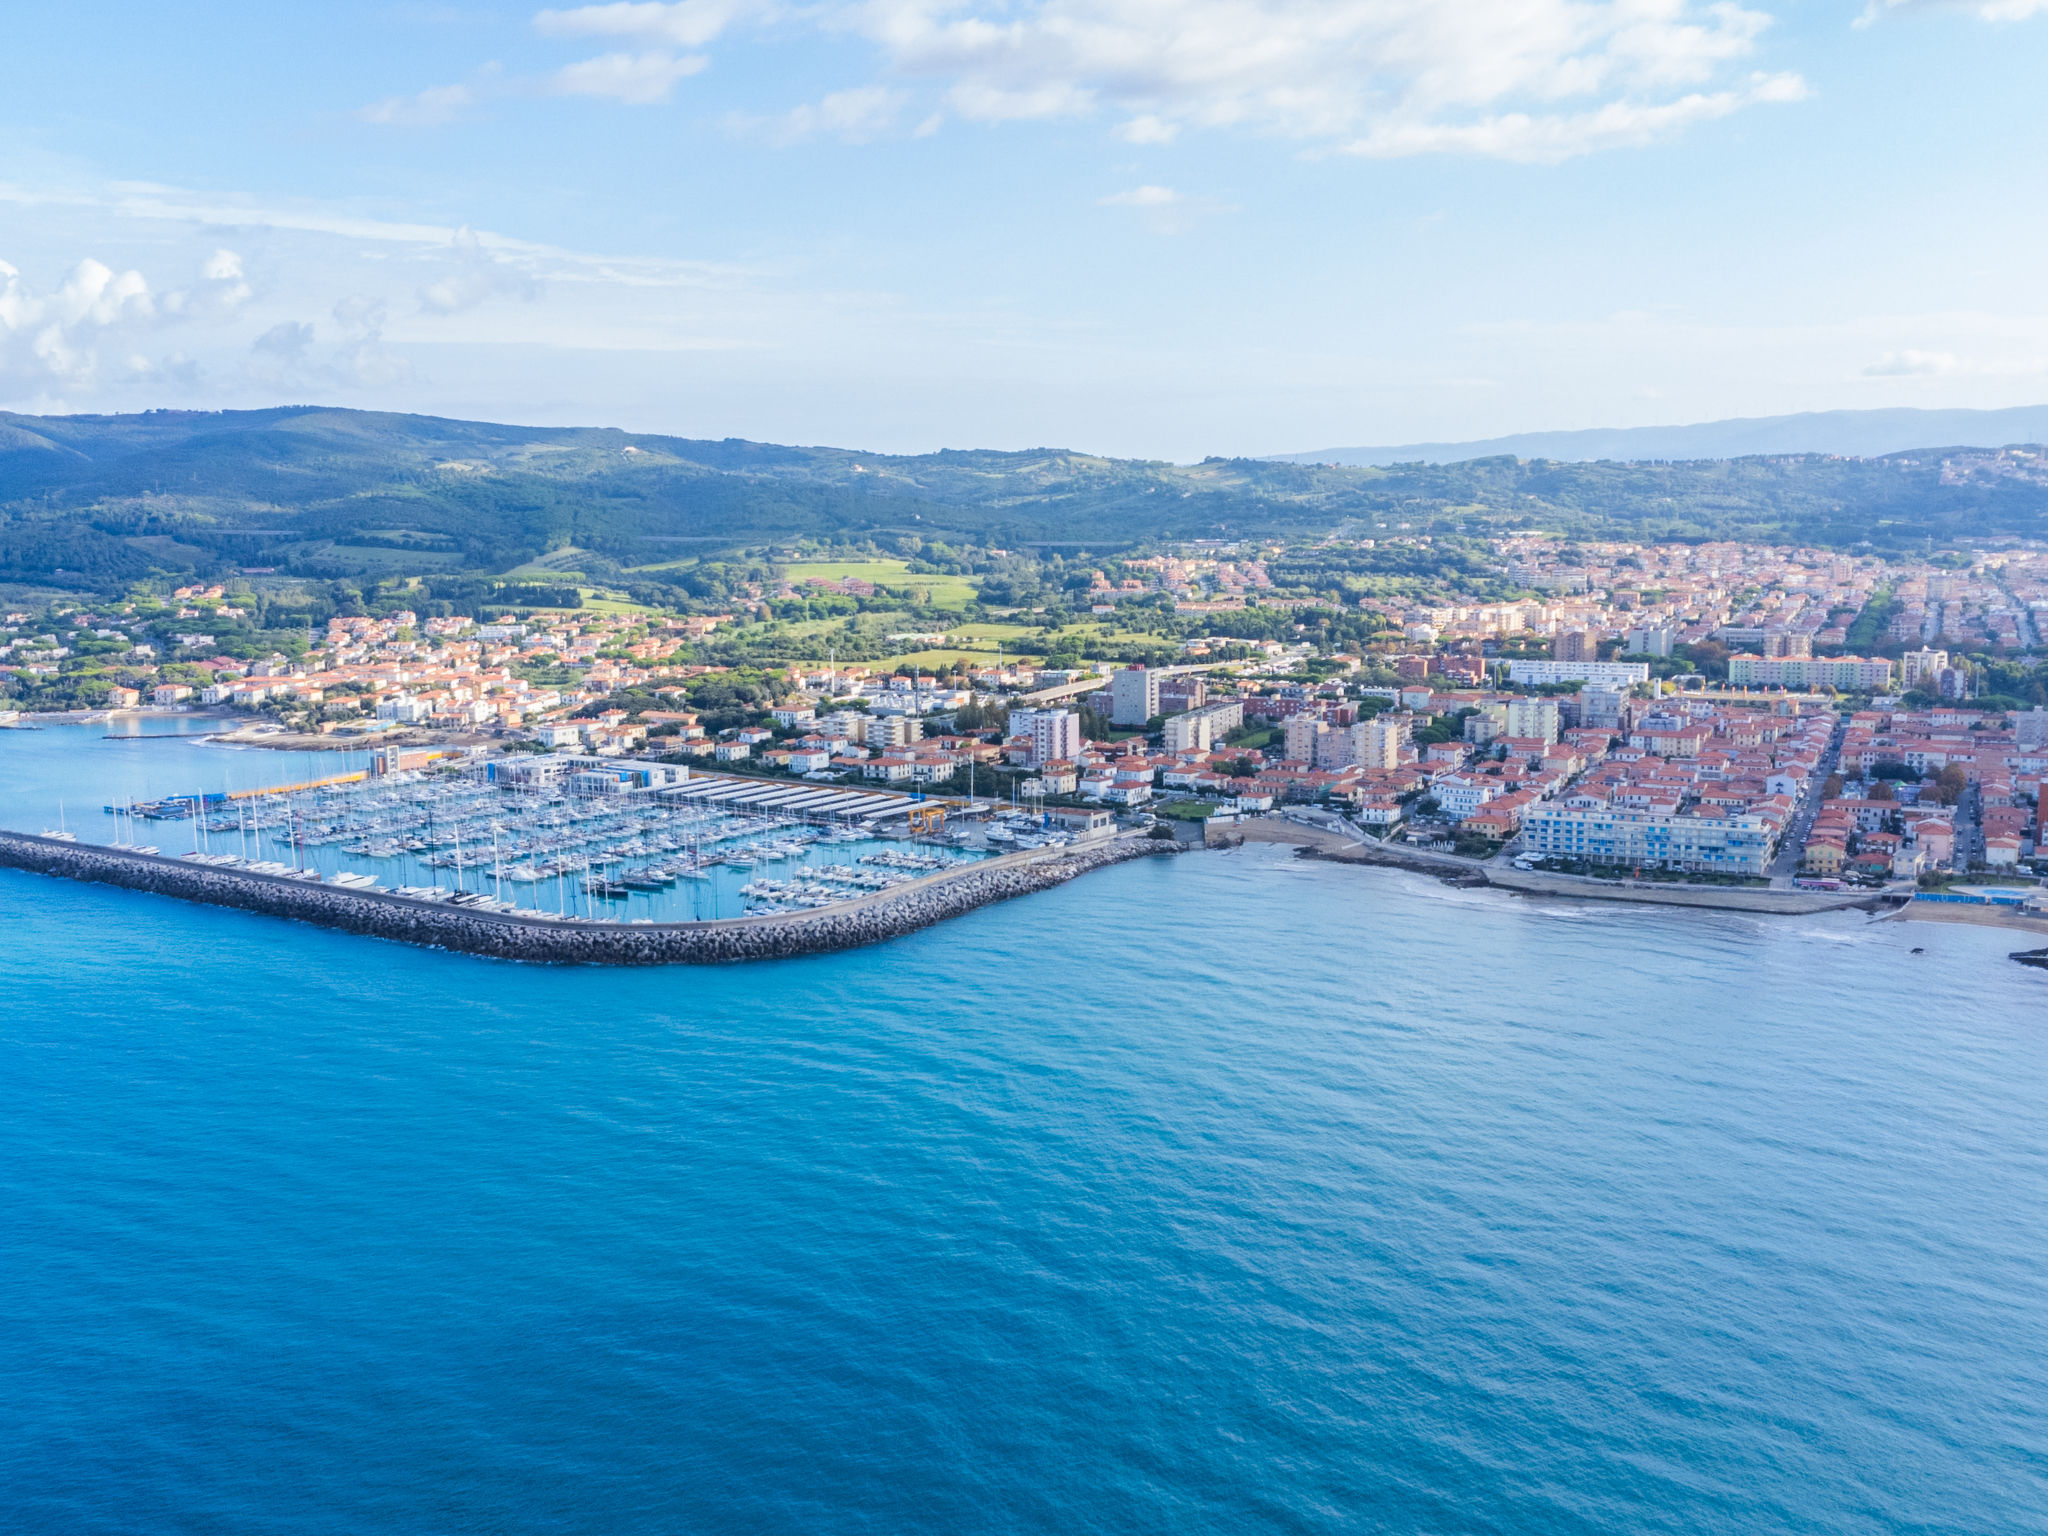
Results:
<point x="575" y="840"/>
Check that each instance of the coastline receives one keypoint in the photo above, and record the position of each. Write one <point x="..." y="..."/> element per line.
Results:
<point x="1317" y="843"/>
<point x="861" y="921"/>
<point x="1981" y="917"/>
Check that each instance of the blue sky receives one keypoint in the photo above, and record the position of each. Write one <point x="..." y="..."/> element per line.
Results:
<point x="1128" y="226"/>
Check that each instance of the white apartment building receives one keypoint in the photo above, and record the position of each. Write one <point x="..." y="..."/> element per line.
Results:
<point x="1923" y="665"/>
<point x="1133" y="695"/>
<point x="1608" y="674"/>
<point x="1601" y="708"/>
<point x="1459" y="795"/>
<point x="885" y="732"/>
<point x="1651" y="640"/>
<point x="1850" y="674"/>
<point x="1203" y="730"/>
<point x="1055" y="737"/>
<point x="1535" y="719"/>
<point x="1377" y="743"/>
<point x="1730" y="845"/>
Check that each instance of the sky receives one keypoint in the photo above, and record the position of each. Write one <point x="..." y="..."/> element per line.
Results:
<point x="1153" y="228"/>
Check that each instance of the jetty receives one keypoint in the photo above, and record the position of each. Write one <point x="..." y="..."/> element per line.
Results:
<point x="523" y="934"/>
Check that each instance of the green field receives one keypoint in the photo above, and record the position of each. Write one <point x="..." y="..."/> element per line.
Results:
<point x="1007" y="633"/>
<point x="947" y="591"/>
<point x="556" y="564"/>
<point x="933" y="659"/>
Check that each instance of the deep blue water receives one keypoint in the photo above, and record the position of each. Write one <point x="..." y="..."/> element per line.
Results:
<point x="1223" y="1194"/>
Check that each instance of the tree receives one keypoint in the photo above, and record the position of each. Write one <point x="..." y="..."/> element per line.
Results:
<point x="1882" y="790"/>
<point x="1832" y="789"/>
<point x="1950" y="784"/>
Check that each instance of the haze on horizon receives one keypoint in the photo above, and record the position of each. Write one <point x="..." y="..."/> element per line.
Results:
<point x="1215" y="226"/>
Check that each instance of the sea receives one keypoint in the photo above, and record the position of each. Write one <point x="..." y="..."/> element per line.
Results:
<point x="1224" y="1193"/>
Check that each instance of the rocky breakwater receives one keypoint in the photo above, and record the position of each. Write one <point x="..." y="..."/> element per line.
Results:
<point x="513" y="936"/>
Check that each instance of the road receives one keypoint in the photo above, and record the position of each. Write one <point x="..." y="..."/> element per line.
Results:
<point x="1793" y="847"/>
<point x="1969" y="824"/>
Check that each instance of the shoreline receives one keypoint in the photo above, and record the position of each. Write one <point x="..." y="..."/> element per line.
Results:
<point x="1316" y="843"/>
<point x="861" y="921"/>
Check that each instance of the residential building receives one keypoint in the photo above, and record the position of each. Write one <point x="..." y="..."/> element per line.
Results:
<point x="1849" y="674"/>
<point x="1608" y="674"/>
<point x="1377" y="743"/>
<point x="1536" y="718"/>
<point x="1203" y="730"/>
<point x="1055" y="736"/>
<point x="1650" y="640"/>
<point x="1303" y="734"/>
<point x="887" y="732"/>
<point x="1612" y="834"/>
<point x="1601" y="707"/>
<point x="1133" y="696"/>
<point x="1574" y="645"/>
<point x="1922" y="668"/>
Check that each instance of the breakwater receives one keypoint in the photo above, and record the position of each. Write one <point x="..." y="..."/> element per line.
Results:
<point x="525" y="936"/>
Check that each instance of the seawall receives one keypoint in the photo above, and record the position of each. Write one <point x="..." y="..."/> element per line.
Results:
<point x="510" y="936"/>
<point x="1319" y="843"/>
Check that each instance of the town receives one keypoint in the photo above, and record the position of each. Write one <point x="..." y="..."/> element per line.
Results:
<point x="1724" y="714"/>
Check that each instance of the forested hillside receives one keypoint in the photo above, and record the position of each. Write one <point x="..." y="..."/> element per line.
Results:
<point x="97" y="500"/>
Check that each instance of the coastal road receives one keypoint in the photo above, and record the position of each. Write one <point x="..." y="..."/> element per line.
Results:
<point x="1793" y="846"/>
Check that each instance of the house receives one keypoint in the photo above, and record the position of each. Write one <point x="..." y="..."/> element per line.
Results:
<point x="1498" y="821"/>
<point x="1937" y="840"/>
<point x="1824" y="858"/>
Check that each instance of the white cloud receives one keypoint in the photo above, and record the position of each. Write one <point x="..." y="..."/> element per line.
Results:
<point x="1166" y="211"/>
<point x="219" y="293"/>
<point x="1140" y="197"/>
<point x="288" y="339"/>
<point x="637" y="79"/>
<point x="1989" y="10"/>
<point x="477" y="275"/>
<point x="1524" y="78"/>
<point x="1517" y="79"/>
<point x="854" y="117"/>
<point x="61" y="339"/>
<point x="687" y="24"/>
<point x="361" y="314"/>
<point x="1551" y="137"/>
<point x="1913" y="364"/>
<point x="426" y="109"/>
<point x="1147" y="129"/>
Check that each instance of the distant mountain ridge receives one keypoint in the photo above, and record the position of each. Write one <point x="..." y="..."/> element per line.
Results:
<point x="308" y="491"/>
<point x="1859" y="434"/>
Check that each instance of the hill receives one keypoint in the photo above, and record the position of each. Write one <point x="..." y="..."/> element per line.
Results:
<point x="1857" y="434"/>
<point x="93" y="501"/>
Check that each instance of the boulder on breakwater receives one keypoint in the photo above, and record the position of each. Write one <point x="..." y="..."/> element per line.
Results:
<point x="524" y="936"/>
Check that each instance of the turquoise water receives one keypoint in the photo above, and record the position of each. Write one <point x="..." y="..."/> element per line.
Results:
<point x="1217" y="1194"/>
